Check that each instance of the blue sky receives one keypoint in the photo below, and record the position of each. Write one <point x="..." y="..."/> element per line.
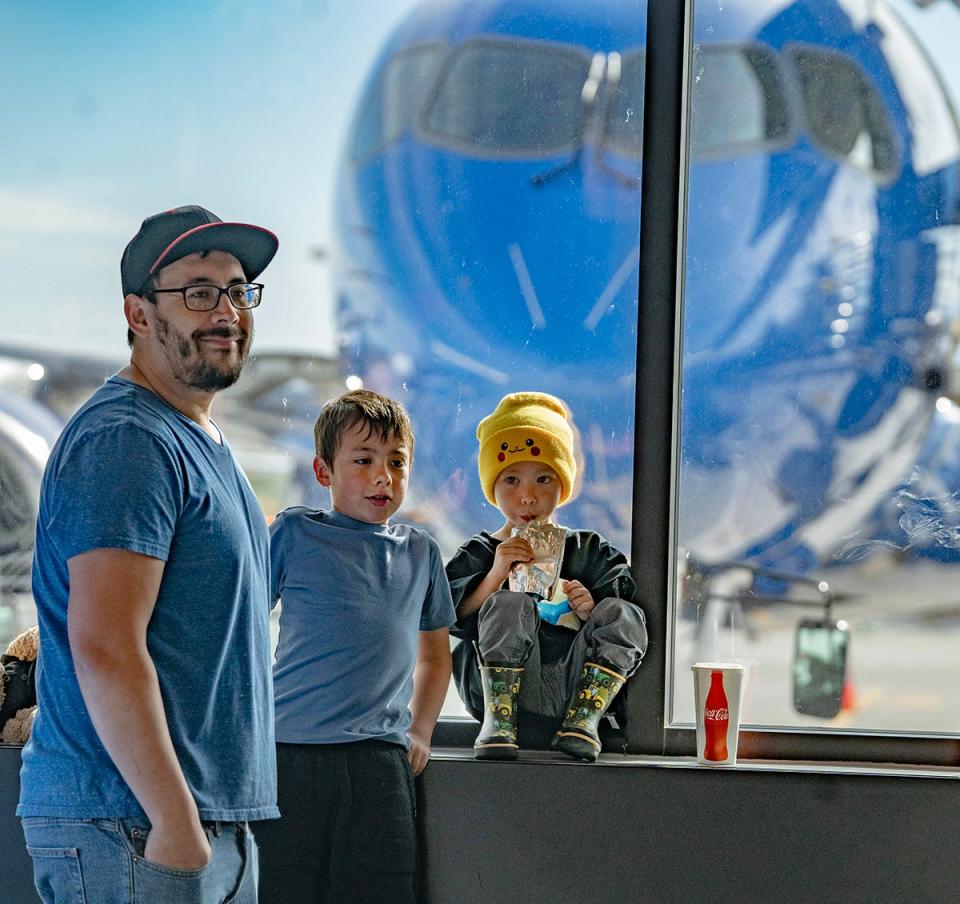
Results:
<point x="114" y="111"/>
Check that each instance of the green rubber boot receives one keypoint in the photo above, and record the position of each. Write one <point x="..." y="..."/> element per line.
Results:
<point x="498" y="734"/>
<point x="595" y="691"/>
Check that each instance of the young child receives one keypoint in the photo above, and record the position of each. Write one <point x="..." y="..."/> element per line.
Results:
<point x="362" y="668"/>
<point x="570" y="670"/>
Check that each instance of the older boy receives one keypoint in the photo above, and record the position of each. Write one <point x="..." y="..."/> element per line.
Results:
<point x="362" y="668"/>
<point x="570" y="670"/>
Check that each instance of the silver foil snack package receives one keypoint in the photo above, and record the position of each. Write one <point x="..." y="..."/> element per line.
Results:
<point x="540" y="576"/>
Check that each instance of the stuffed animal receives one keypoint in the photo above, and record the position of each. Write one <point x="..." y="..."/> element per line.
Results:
<point x="18" y="693"/>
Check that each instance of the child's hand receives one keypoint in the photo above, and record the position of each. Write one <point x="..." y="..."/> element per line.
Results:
<point x="419" y="753"/>
<point x="579" y="598"/>
<point x="513" y="549"/>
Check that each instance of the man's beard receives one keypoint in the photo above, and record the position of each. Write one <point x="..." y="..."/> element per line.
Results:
<point x="188" y="361"/>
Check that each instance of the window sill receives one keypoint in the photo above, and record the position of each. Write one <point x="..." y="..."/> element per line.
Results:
<point x="621" y="761"/>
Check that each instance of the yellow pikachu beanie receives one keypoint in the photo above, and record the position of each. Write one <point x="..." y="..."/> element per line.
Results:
<point x="527" y="426"/>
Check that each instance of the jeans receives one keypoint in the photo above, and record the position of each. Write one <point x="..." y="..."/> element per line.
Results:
<point x="347" y="830"/>
<point x="100" y="861"/>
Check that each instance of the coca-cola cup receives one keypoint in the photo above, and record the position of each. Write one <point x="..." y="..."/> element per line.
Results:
<point x="716" y="687"/>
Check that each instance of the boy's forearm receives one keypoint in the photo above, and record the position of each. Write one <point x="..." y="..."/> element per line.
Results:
<point x="431" y="680"/>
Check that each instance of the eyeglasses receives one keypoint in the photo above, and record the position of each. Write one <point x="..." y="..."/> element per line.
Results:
<point x="205" y="298"/>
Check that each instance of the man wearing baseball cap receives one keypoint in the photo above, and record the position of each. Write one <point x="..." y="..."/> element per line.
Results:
<point x="153" y="741"/>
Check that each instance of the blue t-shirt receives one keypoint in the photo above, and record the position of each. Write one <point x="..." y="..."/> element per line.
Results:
<point x="355" y="597"/>
<point x="130" y="472"/>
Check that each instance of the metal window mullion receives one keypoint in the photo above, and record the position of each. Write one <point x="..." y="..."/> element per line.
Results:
<point x="662" y="227"/>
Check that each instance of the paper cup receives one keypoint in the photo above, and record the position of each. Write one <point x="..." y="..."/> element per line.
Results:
<point x="716" y="690"/>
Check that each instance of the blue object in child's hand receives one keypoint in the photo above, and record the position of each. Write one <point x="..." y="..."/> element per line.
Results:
<point x="553" y="612"/>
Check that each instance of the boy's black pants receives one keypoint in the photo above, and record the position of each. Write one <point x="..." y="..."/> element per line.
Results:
<point x="347" y="829"/>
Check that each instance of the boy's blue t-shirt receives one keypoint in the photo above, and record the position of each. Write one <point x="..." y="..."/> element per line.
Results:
<point x="130" y="472"/>
<point x="354" y="598"/>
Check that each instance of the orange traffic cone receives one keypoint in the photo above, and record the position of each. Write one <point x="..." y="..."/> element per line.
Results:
<point x="848" y="696"/>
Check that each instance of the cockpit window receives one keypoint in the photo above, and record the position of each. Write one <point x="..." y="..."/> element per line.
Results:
<point x="844" y="112"/>
<point x="625" y="111"/>
<point x="509" y="97"/>
<point x="392" y="103"/>
<point x="739" y="101"/>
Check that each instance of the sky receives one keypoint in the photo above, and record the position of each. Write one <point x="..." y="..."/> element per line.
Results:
<point x="115" y="111"/>
<point x="112" y="112"/>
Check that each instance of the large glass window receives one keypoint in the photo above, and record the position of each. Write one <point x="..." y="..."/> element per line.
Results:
<point x="817" y="490"/>
<point x="495" y="248"/>
<point x="446" y="234"/>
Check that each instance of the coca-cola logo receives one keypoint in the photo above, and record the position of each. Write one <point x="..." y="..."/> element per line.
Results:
<point x="717" y="715"/>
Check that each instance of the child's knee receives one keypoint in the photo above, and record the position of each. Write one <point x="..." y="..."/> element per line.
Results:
<point x="625" y="617"/>
<point x="507" y="627"/>
<point x="503" y="602"/>
<point x="612" y="608"/>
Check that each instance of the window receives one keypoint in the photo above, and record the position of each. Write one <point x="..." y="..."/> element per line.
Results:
<point x="509" y="97"/>
<point x="739" y="98"/>
<point x="844" y="113"/>
<point x="815" y="470"/>
<point x="431" y="247"/>
<point x="625" y="111"/>
<point x="391" y="105"/>
<point x="815" y="493"/>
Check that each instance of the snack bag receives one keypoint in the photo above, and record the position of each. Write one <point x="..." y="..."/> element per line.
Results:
<point x="541" y="576"/>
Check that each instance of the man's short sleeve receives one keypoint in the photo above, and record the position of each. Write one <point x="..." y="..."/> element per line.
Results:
<point x="438" y="606"/>
<point x="118" y="488"/>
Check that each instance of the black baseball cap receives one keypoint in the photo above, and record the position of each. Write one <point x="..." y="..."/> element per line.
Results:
<point x="168" y="236"/>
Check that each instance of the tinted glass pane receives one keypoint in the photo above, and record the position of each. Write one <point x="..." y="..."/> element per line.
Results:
<point x="509" y="96"/>
<point x="818" y="469"/>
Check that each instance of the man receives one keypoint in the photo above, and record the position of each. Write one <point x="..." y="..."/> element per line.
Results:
<point x="153" y="741"/>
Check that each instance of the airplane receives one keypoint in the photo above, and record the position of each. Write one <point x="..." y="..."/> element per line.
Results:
<point x="486" y="235"/>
